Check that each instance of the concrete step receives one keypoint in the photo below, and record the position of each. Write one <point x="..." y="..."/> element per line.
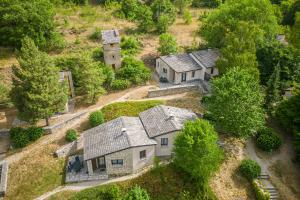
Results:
<point x="263" y="176"/>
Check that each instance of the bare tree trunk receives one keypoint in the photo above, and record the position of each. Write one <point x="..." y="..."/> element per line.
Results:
<point x="47" y="121"/>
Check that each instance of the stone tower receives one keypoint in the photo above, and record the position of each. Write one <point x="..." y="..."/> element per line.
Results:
<point x="111" y="48"/>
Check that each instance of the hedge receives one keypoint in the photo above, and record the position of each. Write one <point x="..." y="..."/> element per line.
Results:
<point x="267" y="140"/>
<point x="21" y="137"/>
<point x="71" y="135"/>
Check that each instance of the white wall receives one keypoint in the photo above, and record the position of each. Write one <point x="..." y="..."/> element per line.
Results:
<point x="216" y="71"/>
<point x="165" y="150"/>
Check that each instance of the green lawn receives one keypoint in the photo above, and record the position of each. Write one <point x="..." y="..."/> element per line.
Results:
<point x="130" y="108"/>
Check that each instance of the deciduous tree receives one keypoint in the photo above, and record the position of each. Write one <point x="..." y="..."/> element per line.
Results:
<point x="196" y="151"/>
<point x="236" y="102"/>
<point x="167" y="44"/>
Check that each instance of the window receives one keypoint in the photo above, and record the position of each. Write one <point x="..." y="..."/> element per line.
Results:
<point x="117" y="162"/>
<point x="193" y="74"/>
<point x="183" y="77"/>
<point x="142" y="154"/>
<point x="164" y="141"/>
<point x="113" y="57"/>
<point x="212" y="71"/>
<point x="165" y="70"/>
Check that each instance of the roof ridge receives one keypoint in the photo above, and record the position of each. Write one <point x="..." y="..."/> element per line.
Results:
<point x="126" y="135"/>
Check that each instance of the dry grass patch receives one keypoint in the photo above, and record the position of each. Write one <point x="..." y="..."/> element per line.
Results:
<point x="65" y="195"/>
<point x="35" y="174"/>
<point x="191" y="101"/>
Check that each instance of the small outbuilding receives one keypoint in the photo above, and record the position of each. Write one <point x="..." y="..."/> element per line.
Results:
<point x="111" y="48"/>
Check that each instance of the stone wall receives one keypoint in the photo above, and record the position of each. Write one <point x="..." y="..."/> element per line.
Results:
<point x="65" y="124"/>
<point x="70" y="148"/>
<point x="126" y="168"/>
<point x="3" y="177"/>
<point x="173" y="90"/>
<point x="4" y="132"/>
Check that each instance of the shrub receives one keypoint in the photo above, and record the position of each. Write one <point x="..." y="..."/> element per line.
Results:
<point x="130" y="45"/>
<point x="97" y="54"/>
<point x="109" y="192"/>
<point x="206" y="3"/>
<point x="133" y="70"/>
<point x="34" y="133"/>
<point x="71" y="135"/>
<point x="120" y="84"/>
<point x="267" y="140"/>
<point x="187" y="17"/>
<point x="19" y="137"/>
<point x="137" y="193"/>
<point x="96" y="118"/>
<point x="167" y="44"/>
<point x="250" y="169"/>
<point x="96" y="35"/>
<point x="261" y="192"/>
<point x="56" y="42"/>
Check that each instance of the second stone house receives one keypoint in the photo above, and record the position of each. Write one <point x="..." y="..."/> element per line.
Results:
<point x="128" y="144"/>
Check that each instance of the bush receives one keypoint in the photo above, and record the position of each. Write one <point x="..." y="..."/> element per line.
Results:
<point x="96" y="118"/>
<point x="56" y="42"/>
<point x="109" y="192"/>
<point x="267" y="140"/>
<point x="187" y="17"/>
<point x="137" y="193"/>
<point x="250" y="169"/>
<point x="130" y="45"/>
<point x="97" y="54"/>
<point x="19" y="137"/>
<point x="34" y="133"/>
<point x="71" y="135"/>
<point x="261" y="192"/>
<point x="133" y="70"/>
<point x="167" y="44"/>
<point x="96" y="35"/>
<point x="206" y="3"/>
<point x="120" y="84"/>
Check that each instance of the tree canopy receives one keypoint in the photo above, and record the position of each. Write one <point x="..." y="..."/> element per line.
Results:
<point x="228" y="16"/>
<point x="21" y="18"/>
<point x="196" y="150"/>
<point x="137" y="193"/>
<point x="167" y="44"/>
<point x="236" y="102"/>
<point x="37" y="92"/>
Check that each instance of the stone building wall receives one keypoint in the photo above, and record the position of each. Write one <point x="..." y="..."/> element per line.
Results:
<point x="126" y="168"/>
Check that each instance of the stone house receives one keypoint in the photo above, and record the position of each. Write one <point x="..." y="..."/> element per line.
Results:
<point x="188" y="67"/>
<point x="128" y="144"/>
<point x="111" y="48"/>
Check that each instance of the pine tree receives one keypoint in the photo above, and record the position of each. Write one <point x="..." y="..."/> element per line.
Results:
<point x="273" y="88"/>
<point x="36" y="92"/>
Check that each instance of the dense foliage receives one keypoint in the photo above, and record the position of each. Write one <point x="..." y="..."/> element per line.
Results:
<point x="22" y="137"/>
<point x="236" y="103"/>
<point x="250" y="169"/>
<point x="130" y="45"/>
<point x="4" y="93"/>
<point x="167" y="44"/>
<point x="26" y="18"/>
<point x="295" y="32"/>
<point x="196" y="151"/>
<point x="137" y="193"/>
<point x="71" y="135"/>
<point x="96" y="118"/>
<point x="225" y="20"/>
<point x="267" y="139"/>
<point x="110" y="192"/>
<point x="133" y="70"/>
<point x="206" y="3"/>
<point x="37" y="92"/>
<point x="120" y="84"/>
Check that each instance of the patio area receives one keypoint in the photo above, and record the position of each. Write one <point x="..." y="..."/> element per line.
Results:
<point x="76" y="171"/>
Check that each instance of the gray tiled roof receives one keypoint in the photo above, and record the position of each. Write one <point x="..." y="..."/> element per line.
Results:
<point x="110" y="36"/>
<point x="164" y="119"/>
<point x="207" y="58"/>
<point x="109" y="137"/>
<point x="181" y="62"/>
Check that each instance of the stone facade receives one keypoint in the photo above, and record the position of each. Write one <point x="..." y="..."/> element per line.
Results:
<point x="165" y="150"/>
<point x="111" y="48"/>
<point x="3" y="177"/>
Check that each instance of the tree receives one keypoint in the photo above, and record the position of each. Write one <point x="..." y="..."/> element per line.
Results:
<point x="137" y="193"/>
<point x="167" y="44"/>
<point x="164" y="13"/>
<point x="240" y="47"/>
<point x="295" y="32"/>
<point x="292" y="7"/>
<point x="4" y="93"/>
<point x="145" y="21"/>
<point x="36" y="92"/>
<point x="207" y="3"/>
<point x="91" y="84"/>
<point x="196" y="151"/>
<point x="273" y="89"/>
<point x="182" y="5"/>
<point x="226" y="20"/>
<point x="236" y="102"/>
<point x="21" y="18"/>
<point x="130" y="8"/>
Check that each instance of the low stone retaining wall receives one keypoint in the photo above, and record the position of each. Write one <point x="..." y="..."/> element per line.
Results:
<point x="173" y="90"/>
<point x="64" y="124"/>
<point x="70" y="148"/>
<point x="4" y="132"/>
<point x="3" y="177"/>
